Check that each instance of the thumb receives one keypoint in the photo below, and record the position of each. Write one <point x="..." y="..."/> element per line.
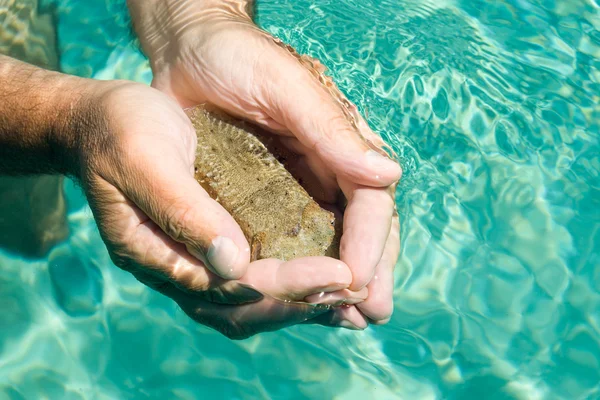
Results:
<point x="166" y="191"/>
<point x="309" y="104"/>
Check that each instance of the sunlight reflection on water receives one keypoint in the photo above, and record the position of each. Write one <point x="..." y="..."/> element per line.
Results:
<point x="493" y="107"/>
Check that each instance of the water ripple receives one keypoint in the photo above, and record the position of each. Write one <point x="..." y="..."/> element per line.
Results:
<point x="494" y="110"/>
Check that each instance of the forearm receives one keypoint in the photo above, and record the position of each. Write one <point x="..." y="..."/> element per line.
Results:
<point x="35" y="109"/>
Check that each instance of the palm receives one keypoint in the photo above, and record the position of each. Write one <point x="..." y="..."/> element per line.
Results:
<point x="222" y="74"/>
<point x="243" y="70"/>
<point x="151" y="213"/>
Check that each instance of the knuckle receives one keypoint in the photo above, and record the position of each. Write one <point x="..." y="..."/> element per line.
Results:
<point x="334" y="127"/>
<point x="177" y="221"/>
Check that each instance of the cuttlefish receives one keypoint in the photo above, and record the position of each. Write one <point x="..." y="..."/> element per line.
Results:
<point x="277" y="215"/>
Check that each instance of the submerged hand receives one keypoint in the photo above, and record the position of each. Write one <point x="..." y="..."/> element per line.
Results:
<point x="211" y="51"/>
<point x="136" y="151"/>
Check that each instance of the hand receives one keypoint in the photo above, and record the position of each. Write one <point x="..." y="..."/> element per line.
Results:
<point x="135" y="156"/>
<point x="212" y="52"/>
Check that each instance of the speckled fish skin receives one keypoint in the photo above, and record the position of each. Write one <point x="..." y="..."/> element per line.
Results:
<point x="278" y="217"/>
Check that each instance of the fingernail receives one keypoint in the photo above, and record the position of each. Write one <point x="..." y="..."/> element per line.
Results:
<point x="381" y="162"/>
<point x="222" y="255"/>
<point x="349" y="325"/>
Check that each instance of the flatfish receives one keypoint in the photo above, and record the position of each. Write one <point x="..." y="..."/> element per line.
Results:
<point x="278" y="217"/>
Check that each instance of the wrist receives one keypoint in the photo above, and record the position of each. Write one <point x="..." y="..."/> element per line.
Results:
<point x="35" y="111"/>
<point x="66" y="133"/>
<point x="163" y="26"/>
<point x="84" y="130"/>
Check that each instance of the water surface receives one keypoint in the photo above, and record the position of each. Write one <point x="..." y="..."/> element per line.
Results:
<point x="494" y="109"/>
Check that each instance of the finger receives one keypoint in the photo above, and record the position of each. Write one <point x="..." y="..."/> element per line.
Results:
<point x="380" y="304"/>
<point x="138" y="245"/>
<point x="189" y="216"/>
<point x="286" y="281"/>
<point x="159" y="180"/>
<point x="168" y="193"/>
<point x="338" y="298"/>
<point x="371" y="137"/>
<point x="240" y="322"/>
<point x="347" y="316"/>
<point x="306" y="107"/>
<point x="367" y="220"/>
<point x="296" y="279"/>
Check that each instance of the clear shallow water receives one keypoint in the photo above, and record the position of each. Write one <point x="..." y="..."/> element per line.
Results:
<point x="493" y="107"/>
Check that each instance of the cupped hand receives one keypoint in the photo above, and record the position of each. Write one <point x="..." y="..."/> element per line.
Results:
<point x="136" y="151"/>
<point x="212" y="52"/>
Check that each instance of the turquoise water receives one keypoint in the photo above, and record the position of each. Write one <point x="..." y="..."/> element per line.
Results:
<point x="494" y="109"/>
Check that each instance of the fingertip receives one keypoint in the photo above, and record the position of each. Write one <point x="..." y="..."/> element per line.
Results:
<point x="226" y="259"/>
<point x="384" y="170"/>
<point x="333" y="274"/>
<point x="343" y="276"/>
<point x="379" y="306"/>
<point x="379" y="312"/>
<point x="367" y="168"/>
<point x="305" y="276"/>
<point x="350" y="317"/>
<point x="381" y="321"/>
<point x="362" y="245"/>
<point x="361" y="280"/>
